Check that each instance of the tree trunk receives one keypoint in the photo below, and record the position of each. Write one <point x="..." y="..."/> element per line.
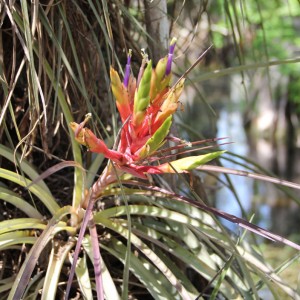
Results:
<point x="157" y="27"/>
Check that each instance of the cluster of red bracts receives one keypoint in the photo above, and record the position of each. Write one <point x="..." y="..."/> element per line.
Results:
<point x="146" y="106"/>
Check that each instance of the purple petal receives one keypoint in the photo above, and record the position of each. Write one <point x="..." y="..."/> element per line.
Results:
<point x="170" y="56"/>
<point x="127" y="69"/>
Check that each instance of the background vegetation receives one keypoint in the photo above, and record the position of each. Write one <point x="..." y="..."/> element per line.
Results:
<point x="54" y="68"/>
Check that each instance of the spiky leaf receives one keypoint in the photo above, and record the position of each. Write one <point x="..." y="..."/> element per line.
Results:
<point x="189" y="163"/>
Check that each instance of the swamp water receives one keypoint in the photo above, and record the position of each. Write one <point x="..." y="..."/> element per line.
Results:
<point x="272" y="208"/>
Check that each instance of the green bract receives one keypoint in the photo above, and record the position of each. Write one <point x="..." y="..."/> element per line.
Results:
<point x="192" y="162"/>
<point x="142" y="98"/>
<point x="157" y="139"/>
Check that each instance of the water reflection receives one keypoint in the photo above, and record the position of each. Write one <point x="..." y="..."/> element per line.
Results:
<point x="258" y="127"/>
<point x="230" y="124"/>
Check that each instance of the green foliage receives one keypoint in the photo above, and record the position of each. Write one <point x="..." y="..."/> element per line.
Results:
<point x="294" y="89"/>
<point x="263" y="30"/>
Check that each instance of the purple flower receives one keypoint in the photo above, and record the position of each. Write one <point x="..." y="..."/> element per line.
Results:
<point x="127" y="69"/>
<point x="170" y="56"/>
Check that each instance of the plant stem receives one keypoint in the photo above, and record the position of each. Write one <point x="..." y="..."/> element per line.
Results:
<point x="97" y="259"/>
<point x="107" y="177"/>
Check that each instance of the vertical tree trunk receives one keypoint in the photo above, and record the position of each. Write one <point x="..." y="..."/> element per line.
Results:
<point x="157" y="27"/>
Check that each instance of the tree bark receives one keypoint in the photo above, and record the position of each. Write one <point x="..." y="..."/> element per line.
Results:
<point x="157" y="27"/>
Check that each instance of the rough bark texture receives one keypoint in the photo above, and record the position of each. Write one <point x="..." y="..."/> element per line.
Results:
<point x="157" y="26"/>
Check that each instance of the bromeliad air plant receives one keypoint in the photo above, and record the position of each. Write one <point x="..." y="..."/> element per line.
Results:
<point x="146" y="106"/>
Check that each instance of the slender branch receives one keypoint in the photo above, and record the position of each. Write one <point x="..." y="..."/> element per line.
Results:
<point x="249" y="174"/>
<point x="167" y="157"/>
<point x="198" y="60"/>
<point x="86" y="219"/>
<point x="97" y="259"/>
<point x="188" y="144"/>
